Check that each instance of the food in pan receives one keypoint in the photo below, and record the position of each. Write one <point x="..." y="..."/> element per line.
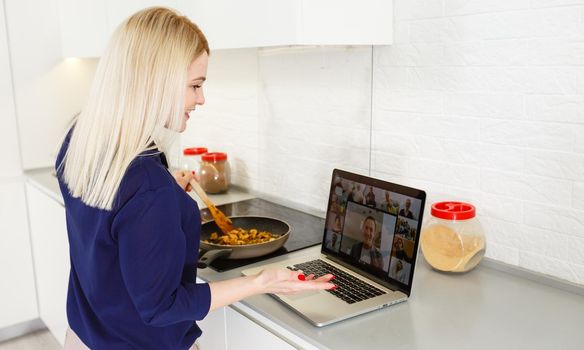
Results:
<point x="240" y="236"/>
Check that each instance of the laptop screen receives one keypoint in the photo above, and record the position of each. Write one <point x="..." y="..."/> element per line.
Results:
<point x="374" y="225"/>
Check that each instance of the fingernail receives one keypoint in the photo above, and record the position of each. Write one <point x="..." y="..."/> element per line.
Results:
<point x="333" y="288"/>
<point x="302" y="277"/>
<point x="193" y="172"/>
<point x="332" y="278"/>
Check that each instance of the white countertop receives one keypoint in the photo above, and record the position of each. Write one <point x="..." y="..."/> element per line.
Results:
<point x="44" y="180"/>
<point x="482" y="309"/>
<point x="494" y="306"/>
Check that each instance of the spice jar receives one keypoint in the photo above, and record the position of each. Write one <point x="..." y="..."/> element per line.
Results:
<point x="215" y="173"/>
<point x="453" y="240"/>
<point x="192" y="159"/>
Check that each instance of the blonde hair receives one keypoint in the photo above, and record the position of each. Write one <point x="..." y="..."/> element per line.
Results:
<point x="136" y="101"/>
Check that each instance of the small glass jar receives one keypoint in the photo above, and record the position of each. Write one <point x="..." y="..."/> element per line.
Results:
<point x="215" y="174"/>
<point x="453" y="239"/>
<point x="192" y="159"/>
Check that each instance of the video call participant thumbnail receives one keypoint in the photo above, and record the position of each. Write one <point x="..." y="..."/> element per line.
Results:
<point x="366" y="251"/>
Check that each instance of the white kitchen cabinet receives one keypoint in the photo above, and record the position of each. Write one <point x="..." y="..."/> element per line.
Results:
<point x="86" y="25"/>
<point x="83" y="25"/>
<point x="228" y="329"/>
<point x="244" y="334"/>
<point x="118" y="11"/>
<point x="257" y="23"/>
<point x="17" y="294"/>
<point x="240" y="24"/>
<point x="51" y="259"/>
<point x="213" y="327"/>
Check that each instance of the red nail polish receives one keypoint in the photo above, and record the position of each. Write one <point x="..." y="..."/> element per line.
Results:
<point x="193" y="172"/>
<point x="333" y="288"/>
<point x="332" y="278"/>
<point x="302" y="277"/>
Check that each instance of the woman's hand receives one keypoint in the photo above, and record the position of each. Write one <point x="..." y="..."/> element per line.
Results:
<point x="276" y="281"/>
<point x="183" y="178"/>
<point x="284" y="281"/>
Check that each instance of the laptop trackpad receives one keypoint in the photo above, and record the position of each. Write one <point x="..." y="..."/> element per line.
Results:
<point x="302" y="295"/>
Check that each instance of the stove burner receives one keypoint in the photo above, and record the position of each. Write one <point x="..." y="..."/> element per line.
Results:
<point x="307" y="230"/>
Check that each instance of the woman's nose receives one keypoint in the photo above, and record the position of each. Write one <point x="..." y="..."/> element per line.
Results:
<point x="200" y="97"/>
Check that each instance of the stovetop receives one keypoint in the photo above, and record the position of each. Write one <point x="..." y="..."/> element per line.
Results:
<point x="306" y="229"/>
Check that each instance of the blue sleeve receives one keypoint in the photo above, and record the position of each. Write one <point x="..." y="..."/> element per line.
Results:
<point x="152" y="250"/>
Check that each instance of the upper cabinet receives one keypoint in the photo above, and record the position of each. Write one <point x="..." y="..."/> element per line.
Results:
<point x="241" y="24"/>
<point x="83" y="27"/>
<point x="257" y="23"/>
<point x="117" y="11"/>
<point x="87" y="24"/>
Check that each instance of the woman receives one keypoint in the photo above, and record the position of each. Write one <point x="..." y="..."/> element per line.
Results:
<point x="399" y="251"/>
<point x="398" y="272"/>
<point x="133" y="231"/>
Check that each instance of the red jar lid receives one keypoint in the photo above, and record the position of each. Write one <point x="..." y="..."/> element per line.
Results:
<point x="214" y="156"/>
<point x="193" y="151"/>
<point x="453" y="210"/>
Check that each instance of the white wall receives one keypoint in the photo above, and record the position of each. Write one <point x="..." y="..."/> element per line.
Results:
<point x="484" y="101"/>
<point x="17" y="295"/>
<point x="10" y="159"/>
<point x="48" y="90"/>
<point x="480" y="101"/>
<point x="228" y="122"/>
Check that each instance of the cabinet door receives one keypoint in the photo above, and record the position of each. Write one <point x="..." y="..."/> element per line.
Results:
<point x="256" y="23"/>
<point x="17" y="294"/>
<point x="213" y="327"/>
<point x="118" y="11"/>
<point x="244" y="334"/>
<point x="239" y="24"/>
<point x="345" y="22"/>
<point x="51" y="259"/>
<point x="83" y="28"/>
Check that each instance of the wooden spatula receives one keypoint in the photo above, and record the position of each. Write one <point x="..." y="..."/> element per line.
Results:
<point x="222" y="221"/>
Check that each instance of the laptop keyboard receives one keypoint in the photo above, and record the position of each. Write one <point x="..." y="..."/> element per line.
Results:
<point x="350" y="289"/>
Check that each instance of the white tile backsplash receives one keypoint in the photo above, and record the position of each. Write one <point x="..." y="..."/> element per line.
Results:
<point x="469" y="7"/>
<point x="578" y="271"/>
<point x="499" y="207"/>
<point x="503" y="253"/>
<point x="561" y="219"/>
<point x="547" y="265"/>
<point x="576" y="251"/>
<point x="578" y="195"/>
<point x="558" y="108"/>
<point x="503" y="106"/>
<point x="502" y="232"/>
<point x="481" y="101"/>
<point x="537" y="241"/>
<point x="556" y="51"/>
<point x="562" y="165"/>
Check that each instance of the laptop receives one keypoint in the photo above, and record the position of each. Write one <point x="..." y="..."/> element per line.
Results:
<point x="370" y="243"/>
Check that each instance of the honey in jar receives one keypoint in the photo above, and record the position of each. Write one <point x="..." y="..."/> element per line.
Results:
<point x="215" y="173"/>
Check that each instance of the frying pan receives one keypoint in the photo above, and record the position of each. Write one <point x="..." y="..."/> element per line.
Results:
<point x="261" y="223"/>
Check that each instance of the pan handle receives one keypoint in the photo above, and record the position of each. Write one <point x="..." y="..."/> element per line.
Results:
<point x="211" y="256"/>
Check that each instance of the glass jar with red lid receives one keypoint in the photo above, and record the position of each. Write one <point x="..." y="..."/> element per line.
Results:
<point x="215" y="173"/>
<point x="453" y="239"/>
<point x="192" y="159"/>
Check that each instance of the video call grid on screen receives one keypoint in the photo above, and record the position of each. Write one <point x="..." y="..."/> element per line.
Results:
<point x="373" y="227"/>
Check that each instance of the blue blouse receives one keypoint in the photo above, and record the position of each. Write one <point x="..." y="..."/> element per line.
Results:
<point x="133" y="269"/>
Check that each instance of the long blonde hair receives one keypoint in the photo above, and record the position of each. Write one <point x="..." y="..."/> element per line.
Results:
<point x="136" y="100"/>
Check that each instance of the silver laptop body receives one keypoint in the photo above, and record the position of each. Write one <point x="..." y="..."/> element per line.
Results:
<point x="383" y="222"/>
